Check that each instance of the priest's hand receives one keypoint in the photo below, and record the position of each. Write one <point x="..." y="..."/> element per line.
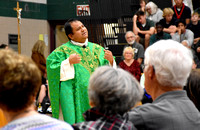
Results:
<point x="108" y="56"/>
<point x="74" y="59"/>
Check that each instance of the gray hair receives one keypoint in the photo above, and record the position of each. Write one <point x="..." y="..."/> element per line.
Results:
<point x="171" y="60"/>
<point x="153" y="7"/>
<point x="114" y="90"/>
<point x="129" y="32"/>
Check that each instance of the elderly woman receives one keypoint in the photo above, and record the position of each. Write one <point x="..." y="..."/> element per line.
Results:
<point x="193" y="87"/>
<point x="167" y="67"/>
<point x="112" y="92"/>
<point x="19" y="83"/>
<point x="129" y="64"/>
<point x="153" y="12"/>
<point x="168" y="21"/>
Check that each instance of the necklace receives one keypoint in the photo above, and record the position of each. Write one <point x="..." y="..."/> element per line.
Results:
<point x="179" y="15"/>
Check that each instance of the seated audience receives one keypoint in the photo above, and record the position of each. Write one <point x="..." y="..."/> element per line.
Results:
<point x="20" y="81"/>
<point x="143" y="28"/>
<point x="183" y="33"/>
<point x="153" y="12"/>
<point x="167" y="67"/>
<point x="111" y="98"/>
<point x="130" y="64"/>
<point x="138" y="48"/>
<point x="188" y="3"/>
<point x="168" y="21"/>
<point x="193" y="87"/>
<point x="181" y="11"/>
<point x="194" y="26"/>
<point x="159" y="35"/>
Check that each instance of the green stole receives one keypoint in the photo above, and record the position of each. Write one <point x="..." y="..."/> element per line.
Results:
<point x="72" y="94"/>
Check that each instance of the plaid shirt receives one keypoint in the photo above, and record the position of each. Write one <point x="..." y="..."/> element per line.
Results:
<point x="96" y="120"/>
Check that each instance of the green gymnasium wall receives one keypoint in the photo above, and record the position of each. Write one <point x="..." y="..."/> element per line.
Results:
<point x="29" y="10"/>
<point x="63" y="9"/>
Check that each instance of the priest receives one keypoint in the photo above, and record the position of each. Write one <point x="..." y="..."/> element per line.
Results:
<point x="69" y="68"/>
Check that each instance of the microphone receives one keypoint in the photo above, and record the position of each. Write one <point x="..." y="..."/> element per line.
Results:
<point x="84" y="46"/>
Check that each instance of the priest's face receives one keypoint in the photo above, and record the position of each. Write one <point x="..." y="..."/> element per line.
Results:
<point x="79" y="32"/>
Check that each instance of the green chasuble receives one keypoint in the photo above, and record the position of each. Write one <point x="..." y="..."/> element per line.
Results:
<point x="72" y="94"/>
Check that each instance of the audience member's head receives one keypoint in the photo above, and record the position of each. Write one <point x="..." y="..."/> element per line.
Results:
<point x="113" y="91"/>
<point x="193" y="87"/>
<point x="130" y="37"/>
<point x="128" y="53"/>
<point x="195" y="18"/>
<point x="3" y="46"/>
<point x="181" y="24"/>
<point x="168" y="14"/>
<point x="171" y="64"/>
<point x="159" y="28"/>
<point x="39" y="47"/>
<point x="151" y="8"/>
<point x="141" y="17"/>
<point x="143" y="3"/>
<point x="178" y="3"/>
<point x="19" y="81"/>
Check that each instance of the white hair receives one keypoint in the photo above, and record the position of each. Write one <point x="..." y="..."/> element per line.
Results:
<point x="129" y="32"/>
<point x="171" y="60"/>
<point x="114" y="90"/>
<point x="153" y="7"/>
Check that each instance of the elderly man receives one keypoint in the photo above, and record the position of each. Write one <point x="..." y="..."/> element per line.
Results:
<point x="111" y="98"/>
<point x="139" y="49"/>
<point x="68" y="70"/>
<point x="168" y="65"/>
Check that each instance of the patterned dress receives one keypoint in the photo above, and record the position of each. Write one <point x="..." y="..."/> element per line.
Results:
<point x="134" y="68"/>
<point x="72" y="94"/>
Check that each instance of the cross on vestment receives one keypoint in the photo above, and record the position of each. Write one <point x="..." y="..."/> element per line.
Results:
<point x="18" y="23"/>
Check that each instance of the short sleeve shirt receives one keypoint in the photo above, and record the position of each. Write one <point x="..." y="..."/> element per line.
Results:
<point x="149" y="24"/>
<point x="185" y="15"/>
<point x="165" y="25"/>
